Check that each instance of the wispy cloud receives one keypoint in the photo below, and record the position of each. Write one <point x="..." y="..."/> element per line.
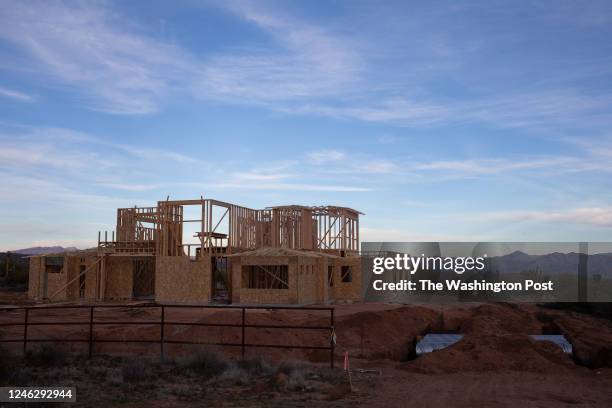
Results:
<point x="118" y="69"/>
<point x="326" y="156"/>
<point x="16" y="95"/>
<point x="289" y="187"/>
<point x="344" y="163"/>
<point x="308" y="61"/>
<point x="307" y="68"/>
<point x="131" y="187"/>
<point x="601" y="217"/>
<point x="400" y="235"/>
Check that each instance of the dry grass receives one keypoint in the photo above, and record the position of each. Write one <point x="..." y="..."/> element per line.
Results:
<point x="206" y="362"/>
<point x="206" y="376"/>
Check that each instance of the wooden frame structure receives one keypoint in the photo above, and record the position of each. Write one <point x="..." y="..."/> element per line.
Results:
<point x="148" y="255"/>
<point x="159" y="230"/>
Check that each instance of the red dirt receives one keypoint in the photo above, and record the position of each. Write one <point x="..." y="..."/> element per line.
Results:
<point x="495" y="362"/>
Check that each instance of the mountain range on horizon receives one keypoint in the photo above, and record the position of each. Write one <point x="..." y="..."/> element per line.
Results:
<point x="552" y="263"/>
<point x="39" y="250"/>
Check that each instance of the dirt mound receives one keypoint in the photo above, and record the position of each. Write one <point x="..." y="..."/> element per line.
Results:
<point x="494" y="352"/>
<point x="499" y="318"/>
<point x="591" y="338"/>
<point x="384" y="334"/>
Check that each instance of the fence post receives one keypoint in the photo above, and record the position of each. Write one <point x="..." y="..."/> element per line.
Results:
<point x="161" y="340"/>
<point x="25" y="331"/>
<point x="331" y="340"/>
<point x="91" y="312"/>
<point x="243" y="323"/>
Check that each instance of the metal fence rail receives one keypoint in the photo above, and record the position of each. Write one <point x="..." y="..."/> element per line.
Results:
<point x="91" y="323"/>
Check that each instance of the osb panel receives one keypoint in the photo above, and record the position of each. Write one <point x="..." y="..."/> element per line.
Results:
<point x="119" y="278"/>
<point x="347" y="290"/>
<point x="264" y="296"/>
<point x="35" y="276"/>
<point x="235" y="266"/>
<point x="179" y="279"/>
<point x="306" y="282"/>
<point x="322" y="286"/>
<point x="307" y="260"/>
<point x="90" y="278"/>
<point x="56" y="283"/>
<point x="264" y="260"/>
<point x="309" y="285"/>
<point x="71" y="266"/>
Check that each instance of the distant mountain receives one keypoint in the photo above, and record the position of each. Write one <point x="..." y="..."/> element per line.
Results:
<point x="553" y="263"/>
<point x="44" y="250"/>
<point x="515" y="261"/>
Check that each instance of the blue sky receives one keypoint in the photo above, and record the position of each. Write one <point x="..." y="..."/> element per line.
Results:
<point x="455" y="121"/>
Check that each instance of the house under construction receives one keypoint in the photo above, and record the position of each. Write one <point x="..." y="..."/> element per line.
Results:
<point x="229" y="253"/>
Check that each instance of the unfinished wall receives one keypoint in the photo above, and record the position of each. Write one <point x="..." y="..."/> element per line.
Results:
<point x="179" y="279"/>
<point x="74" y="265"/>
<point x="91" y="277"/>
<point x="322" y="284"/>
<point x="346" y="290"/>
<point x="119" y="278"/>
<point x="307" y="277"/>
<point x="35" y="277"/>
<point x="241" y="294"/>
<point x="55" y="281"/>
<point x="71" y="268"/>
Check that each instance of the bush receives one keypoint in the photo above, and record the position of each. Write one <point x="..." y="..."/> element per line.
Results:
<point x="297" y="382"/>
<point x="290" y="375"/>
<point x="206" y="362"/>
<point x="257" y="366"/>
<point x="288" y="367"/>
<point x="235" y="375"/>
<point x="46" y="355"/>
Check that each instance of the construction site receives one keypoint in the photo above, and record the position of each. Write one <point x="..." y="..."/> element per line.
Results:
<point x="230" y="306"/>
<point x="205" y="250"/>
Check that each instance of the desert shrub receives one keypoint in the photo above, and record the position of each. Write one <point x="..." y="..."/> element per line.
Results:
<point x="257" y="366"/>
<point x="135" y="371"/>
<point x="206" y="362"/>
<point x="288" y="367"/>
<point x="235" y="375"/>
<point x="46" y="355"/>
<point x="289" y="375"/>
<point x="296" y="381"/>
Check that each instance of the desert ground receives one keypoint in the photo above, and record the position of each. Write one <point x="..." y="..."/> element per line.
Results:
<point x="496" y="364"/>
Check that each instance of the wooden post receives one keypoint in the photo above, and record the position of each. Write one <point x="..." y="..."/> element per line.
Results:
<point x="25" y="331"/>
<point x="102" y="288"/>
<point x="243" y="331"/>
<point x="161" y="340"/>
<point x="332" y="341"/>
<point x="91" y="312"/>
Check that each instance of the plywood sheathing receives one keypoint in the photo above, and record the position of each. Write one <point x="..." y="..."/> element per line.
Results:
<point x="35" y="282"/>
<point x="307" y="277"/>
<point x="179" y="279"/>
<point x="346" y="290"/>
<point x="119" y="278"/>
